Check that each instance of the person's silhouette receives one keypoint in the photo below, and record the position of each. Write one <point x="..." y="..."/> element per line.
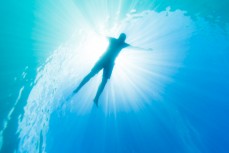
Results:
<point x="106" y="62"/>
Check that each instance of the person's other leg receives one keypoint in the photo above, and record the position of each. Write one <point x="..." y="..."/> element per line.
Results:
<point x="84" y="81"/>
<point x="93" y="72"/>
<point x="107" y="71"/>
<point x="100" y="90"/>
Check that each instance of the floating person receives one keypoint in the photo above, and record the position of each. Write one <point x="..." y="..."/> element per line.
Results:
<point x="105" y="63"/>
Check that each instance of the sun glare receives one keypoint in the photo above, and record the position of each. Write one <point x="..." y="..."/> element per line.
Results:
<point x="95" y="46"/>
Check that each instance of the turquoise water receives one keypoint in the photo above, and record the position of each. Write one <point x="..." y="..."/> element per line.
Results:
<point x="171" y="99"/>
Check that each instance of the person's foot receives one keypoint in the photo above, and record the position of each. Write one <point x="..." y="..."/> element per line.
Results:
<point x="75" y="91"/>
<point x="96" y="102"/>
<point x="70" y="97"/>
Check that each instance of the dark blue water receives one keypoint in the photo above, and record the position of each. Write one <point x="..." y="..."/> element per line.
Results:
<point x="171" y="99"/>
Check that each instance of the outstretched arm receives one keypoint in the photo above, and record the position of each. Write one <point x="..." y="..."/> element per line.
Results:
<point x="139" y="48"/>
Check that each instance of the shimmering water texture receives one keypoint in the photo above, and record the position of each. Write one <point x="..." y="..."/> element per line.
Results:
<point x="167" y="99"/>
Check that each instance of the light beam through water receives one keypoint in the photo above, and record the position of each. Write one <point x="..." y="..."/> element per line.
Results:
<point x="138" y="78"/>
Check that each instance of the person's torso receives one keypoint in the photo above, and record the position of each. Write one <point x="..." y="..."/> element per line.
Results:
<point x="114" y="48"/>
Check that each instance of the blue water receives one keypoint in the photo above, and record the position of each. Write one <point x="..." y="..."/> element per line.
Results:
<point x="171" y="99"/>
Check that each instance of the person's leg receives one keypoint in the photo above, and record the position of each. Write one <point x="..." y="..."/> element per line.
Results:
<point x="84" y="81"/>
<point x="100" y="90"/>
<point x="97" y="67"/>
<point x="107" y="71"/>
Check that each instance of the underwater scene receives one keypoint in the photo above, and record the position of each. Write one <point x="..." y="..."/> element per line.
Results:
<point x="114" y="76"/>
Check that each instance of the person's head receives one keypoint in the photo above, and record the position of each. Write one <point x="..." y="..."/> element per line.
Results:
<point x="122" y="37"/>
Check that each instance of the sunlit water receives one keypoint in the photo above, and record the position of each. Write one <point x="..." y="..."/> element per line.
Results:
<point x="173" y="98"/>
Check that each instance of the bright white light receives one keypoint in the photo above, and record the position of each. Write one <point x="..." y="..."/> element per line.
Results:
<point x="95" y="46"/>
<point x="138" y="78"/>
